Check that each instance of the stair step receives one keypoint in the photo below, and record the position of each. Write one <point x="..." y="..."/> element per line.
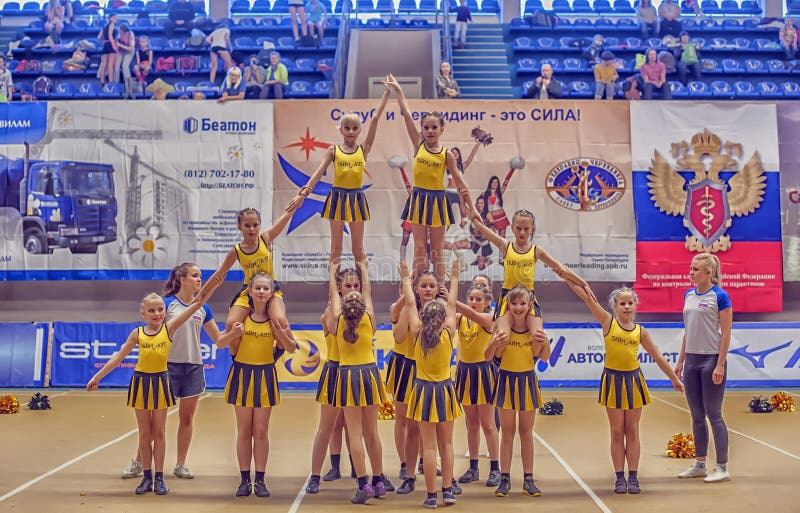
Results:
<point x="486" y="54"/>
<point x="489" y="79"/>
<point x="498" y="68"/>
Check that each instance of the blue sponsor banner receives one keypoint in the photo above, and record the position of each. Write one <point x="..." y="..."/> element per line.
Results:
<point x="23" y="351"/>
<point x="22" y="122"/>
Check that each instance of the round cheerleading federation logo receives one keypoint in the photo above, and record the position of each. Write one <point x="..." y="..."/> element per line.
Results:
<point x="585" y="184"/>
<point x="304" y="360"/>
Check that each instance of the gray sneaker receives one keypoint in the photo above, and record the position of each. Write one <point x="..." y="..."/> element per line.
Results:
<point x="132" y="470"/>
<point x="494" y="478"/>
<point x="694" y="471"/>
<point x="182" y="471"/>
<point x="718" y="475"/>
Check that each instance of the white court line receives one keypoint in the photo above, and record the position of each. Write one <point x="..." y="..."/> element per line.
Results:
<point x="297" y="500"/>
<point x="600" y="504"/>
<point x="743" y="435"/>
<point x="76" y="459"/>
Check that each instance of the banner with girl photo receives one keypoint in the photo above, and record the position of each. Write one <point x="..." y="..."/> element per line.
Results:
<point x="567" y="162"/>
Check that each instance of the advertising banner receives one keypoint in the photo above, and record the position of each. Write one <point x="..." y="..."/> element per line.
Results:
<point x="706" y="179"/>
<point x="23" y="353"/>
<point x="127" y="190"/>
<point x="567" y="162"/>
<point x="788" y="136"/>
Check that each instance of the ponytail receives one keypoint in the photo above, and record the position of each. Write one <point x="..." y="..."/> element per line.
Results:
<point x="353" y="309"/>
<point x="432" y="316"/>
<point x="173" y="284"/>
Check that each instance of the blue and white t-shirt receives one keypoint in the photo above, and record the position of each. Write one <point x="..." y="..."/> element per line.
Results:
<point x="186" y="340"/>
<point x="701" y="319"/>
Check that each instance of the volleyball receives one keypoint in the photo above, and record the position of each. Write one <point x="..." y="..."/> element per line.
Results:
<point x="304" y="360"/>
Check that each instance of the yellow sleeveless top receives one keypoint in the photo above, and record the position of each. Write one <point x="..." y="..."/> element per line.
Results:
<point x="429" y="168"/>
<point x="259" y="261"/>
<point x="435" y="365"/>
<point x="519" y="268"/>
<point x="517" y="356"/>
<point x="348" y="168"/>
<point x="257" y="343"/>
<point x="472" y="341"/>
<point x="360" y="351"/>
<point x="622" y="347"/>
<point x="401" y="348"/>
<point x="408" y="347"/>
<point x="332" y="346"/>
<point x="153" y="350"/>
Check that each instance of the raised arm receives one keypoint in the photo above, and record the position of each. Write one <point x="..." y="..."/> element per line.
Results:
<point x="410" y="311"/>
<point x="334" y="299"/>
<point x="373" y="124"/>
<point x="114" y="361"/>
<point x="231" y="338"/>
<point x="647" y="343"/>
<point x="471" y="156"/>
<point x="484" y="319"/>
<point x="366" y="289"/>
<point x="490" y="235"/>
<point x="562" y="271"/>
<point x="496" y="345"/>
<point x="452" y="298"/>
<point x="219" y="275"/>
<point x="411" y="128"/>
<point x="601" y="314"/>
<point x="461" y="185"/>
<point x="273" y="231"/>
<point x="327" y="159"/>
<point x="507" y="180"/>
<point x="176" y="322"/>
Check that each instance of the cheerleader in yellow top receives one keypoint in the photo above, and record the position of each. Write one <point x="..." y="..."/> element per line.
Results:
<point x="331" y="418"/>
<point x="359" y="389"/>
<point x="252" y="386"/>
<point x="254" y="255"/>
<point x="427" y="209"/>
<point x="623" y="389"/>
<point x="433" y="403"/>
<point x="517" y="393"/>
<point x="346" y="202"/>
<point x="149" y="392"/>
<point x="475" y="382"/>
<point x="519" y="266"/>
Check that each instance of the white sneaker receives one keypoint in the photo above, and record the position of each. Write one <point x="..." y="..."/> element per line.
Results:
<point x="132" y="470"/>
<point x="181" y="470"/>
<point x="718" y="475"/>
<point x="694" y="471"/>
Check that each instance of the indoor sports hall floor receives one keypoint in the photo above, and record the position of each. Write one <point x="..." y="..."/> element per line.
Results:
<point x="68" y="460"/>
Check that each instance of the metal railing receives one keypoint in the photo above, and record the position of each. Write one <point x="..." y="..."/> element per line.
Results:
<point x="447" y="42"/>
<point x="342" y="49"/>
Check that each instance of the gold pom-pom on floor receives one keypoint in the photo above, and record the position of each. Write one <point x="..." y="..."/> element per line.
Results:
<point x="681" y="446"/>
<point x="386" y="411"/>
<point x="783" y="402"/>
<point x="9" y="404"/>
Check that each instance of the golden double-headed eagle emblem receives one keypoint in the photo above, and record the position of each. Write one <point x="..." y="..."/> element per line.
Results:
<point x="706" y="201"/>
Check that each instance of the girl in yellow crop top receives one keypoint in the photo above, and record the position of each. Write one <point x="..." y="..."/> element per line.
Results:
<point x="519" y="266"/>
<point x="623" y="389"/>
<point x="427" y="208"/>
<point x="433" y="403"/>
<point x="252" y="386"/>
<point x="254" y="255"/>
<point x="149" y="392"/>
<point x="346" y="202"/>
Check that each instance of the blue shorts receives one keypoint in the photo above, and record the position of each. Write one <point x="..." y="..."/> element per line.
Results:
<point x="186" y="379"/>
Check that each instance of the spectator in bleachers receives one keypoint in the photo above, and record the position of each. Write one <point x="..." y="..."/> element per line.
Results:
<point x="6" y="81"/>
<point x="277" y="78"/>
<point x="221" y="48"/>
<point x="144" y="60"/>
<point x="126" y="43"/>
<point x="108" y="55"/>
<point x="317" y="19"/>
<point x="77" y="62"/>
<point x="233" y="87"/>
<point x="463" y="18"/>
<point x="670" y="14"/>
<point x="446" y="85"/>
<point x="648" y="19"/>
<point x="181" y="16"/>
<point x="297" y="8"/>
<point x="54" y="20"/>
<point x="254" y="77"/>
<point x="688" y="59"/>
<point x="605" y="77"/>
<point x="198" y="95"/>
<point x="654" y="74"/>
<point x="788" y="37"/>
<point x="545" y="86"/>
<point x="594" y="51"/>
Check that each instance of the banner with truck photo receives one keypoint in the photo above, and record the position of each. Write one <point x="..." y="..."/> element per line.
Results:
<point x="567" y="162"/>
<point x="789" y="135"/>
<point x="761" y="355"/>
<point x="127" y="190"/>
<point x="706" y="179"/>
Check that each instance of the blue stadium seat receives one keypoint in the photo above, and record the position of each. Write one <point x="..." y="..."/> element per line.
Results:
<point x="406" y="5"/>
<point x="142" y="23"/>
<point x="365" y="5"/>
<point x="750" y="7"/>
<point x="580" y="89"/>
<point x="701" y="41"/>
<point x="176" y="43"/>
<point x="264" y="39"/>
<point x="383" y="6"/>
<point x="247" y="22"/>
<point x="240" y="6"/>
<point x="89" y="89"/>
<point x="610" y="42"/>
<point x="729" y="7"/>
<point x="79" y="25"/>
<point x="710" y="64"/>
<point x="791" y="90"/>
<point x="573" y="64"/>
<point x="522" y="42"/>
<point x="270" y="22"/>
<point x="329" y="42"/>
<point x="155" y="6"/>
<point x="582" y="22"/>
<point x="626" y="23"/>
<point x="710" y="7"/>
<point x="767" y="45"/>
<point x="526" y="66"/>
<point x="181" y="86"/>
<point x="532" y="5"/>
<point x="158" y="43"/>
<point x="286" y="42"/>
<point x="741" y="43"/>
<point x="260" y="7"/>
<point x="472" y="4"/>
<point x="731" y="66"/>
<point x="623" y="7"/>
<point x="31" y="9"/>
<point x="750" y="24"/>
<point x="561" y="6"/>
<point x="581" y="7"/>
<point x="633" y="42"/>
<point x="698" y="89"/>
<point x="288" y="62"/>
<point x="517" y="22"/>
<point x="112" y="90"/>
<point x="603" y="23"/>
<point x="136" y="6"/>
<point x="525" y="86"/>
<point x="490" y="7"/>
<point x="323" y="87"/>
<point x="744" y="89"/>
<point x="282" y="7"/>
<point x="689" y="24"/>
<point x="244" y="43"/>
<point x="721" y="88"/>
<point x="776" y="66"/>
<point x="654" y="42"/>
<point x="375" y="23"/>
<point x="326" y="63"/>
<point x="602" y="7"/>
<point x="754" y="66"/>
<point x="677" y="89"/>
<point x="63" y="90"/>
<point x="567" y="42"/>
<point x="554" y="63"/>
<point x="769" y="90"/>
<point x="300" y="88"/>
<point x="545" y="42"/>
<point x="306" y="64"/>
<point x="10" y="8"/>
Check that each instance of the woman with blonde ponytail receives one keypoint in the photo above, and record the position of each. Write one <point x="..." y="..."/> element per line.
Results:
<point x="708" y="318"/>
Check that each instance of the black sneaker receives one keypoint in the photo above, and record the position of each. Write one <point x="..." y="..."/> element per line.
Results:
<point x="245" y="488"/>
<point x="407" y="486"/>
<point x="504" y="488"/>
<point x="530" y="486"/>
<point x="146" y="486"/>
<point x="386" y="483"/>
<point x="633" y="485"/>
<point x="403" y="475"/>
<point x="456" y="489"/>
<point x="494" y="478"/>
<point x="260" y="489"/>
<point x="332" y="475"/>
<point x="159" y="486"/>
<point x="313" y="485"/>
<point x="620" y="486"/>
<point x="421" y="471"/>
<point x="469" y="476"/>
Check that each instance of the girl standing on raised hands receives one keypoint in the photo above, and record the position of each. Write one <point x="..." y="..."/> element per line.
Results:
<point x="519" y="266"/>
<point x="252" y="385"/>
<point x="254" y="254"/>
<point x="517" y="394"/>
<point x="427" y="207"/>
<point x="149" y="392"/>
<point x="623" y="389"/>
<point x="433" y="403"/>
<point x="346" y="203"/>
<point x="359" y="389"/>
